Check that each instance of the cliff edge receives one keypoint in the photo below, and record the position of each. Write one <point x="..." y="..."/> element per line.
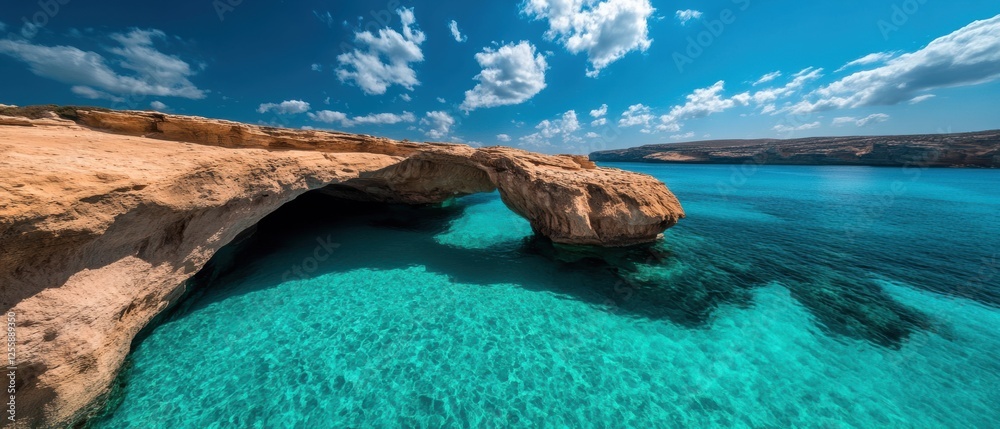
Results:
<point x="104" y="215"/>
<point x="979" y="150"/>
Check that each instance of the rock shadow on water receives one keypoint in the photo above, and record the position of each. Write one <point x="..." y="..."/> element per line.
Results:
<point x="652" y="281"/>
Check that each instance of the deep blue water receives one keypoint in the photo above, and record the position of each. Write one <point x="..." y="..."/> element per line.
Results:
<point x="790" y="296"/>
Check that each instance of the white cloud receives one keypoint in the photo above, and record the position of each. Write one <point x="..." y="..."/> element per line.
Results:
<point x="510" y="75"/>
<point x="563" y="127"/>
<point x="863" y="122"/>
<point x="877" y="57"/>
<point x="606" y="30"/>
<point x="441" y="100"/>
<point x="592" y="135"/>
<point x="844" y="120"/>
<point x="453" y="26"/>
<point x="405" y="97"/>
<point x="969" y="56"/>
<point x="327" y="100"/>
<point x="330" y="117"/>
<point x="600" y="111"/>
<point x="289" y="107"/>
<point x="503" y="137"/>
<point x="317" y="68"/>
<point x="325" y="17"/>
<point x="688" y="14"/>
<point x="700" y="103"/>
<point x="687" y="135"/>
<point x="637" y="114"/>
<point x="384" y="118"/>
<point x="767" y="78"/>
<point x="159" y="106"/>
<point x="365" y="67"/>
<point x="800" y="79"/>
<point x="873" y="119"/>
<point x="781" y="128"/>
<point x="440" y="124"/>
<point x="922" y="98"/>
<point x="599" y="122"/>
<point x="151" y="72"/>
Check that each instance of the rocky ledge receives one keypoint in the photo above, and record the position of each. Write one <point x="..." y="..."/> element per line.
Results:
<point x="104" y="215"/>
<point x="980" y="149"/>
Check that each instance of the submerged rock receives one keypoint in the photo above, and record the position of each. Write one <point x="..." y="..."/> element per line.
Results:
<point x="103" y="219"/>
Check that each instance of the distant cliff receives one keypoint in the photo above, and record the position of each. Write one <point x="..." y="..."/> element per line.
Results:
<point x="980" y="149"/>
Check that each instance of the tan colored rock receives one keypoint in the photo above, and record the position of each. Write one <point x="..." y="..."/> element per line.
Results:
<point x="99" y="230"/>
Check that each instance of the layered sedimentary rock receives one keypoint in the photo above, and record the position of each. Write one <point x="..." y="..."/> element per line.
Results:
<point x="104" y="218"/>
<point x="981" y="149"/>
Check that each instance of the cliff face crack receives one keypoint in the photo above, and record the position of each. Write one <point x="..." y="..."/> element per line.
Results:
<point x="99" y="243"/>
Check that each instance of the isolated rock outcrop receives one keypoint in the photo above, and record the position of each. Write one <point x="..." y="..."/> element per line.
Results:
<point x="102" y="220"/>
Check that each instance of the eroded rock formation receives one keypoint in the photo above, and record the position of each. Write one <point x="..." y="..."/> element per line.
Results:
<point x="102" y="220"/>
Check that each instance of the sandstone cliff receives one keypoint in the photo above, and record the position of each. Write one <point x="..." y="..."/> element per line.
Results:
<point x="980" y="149"/>
<point x="103" y="218"/>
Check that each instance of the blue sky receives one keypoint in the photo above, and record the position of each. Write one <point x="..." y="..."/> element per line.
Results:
<point x="556" y="76"/>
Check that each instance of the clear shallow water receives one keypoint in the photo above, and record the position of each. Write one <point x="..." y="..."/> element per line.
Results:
<point x="806" y="296"/>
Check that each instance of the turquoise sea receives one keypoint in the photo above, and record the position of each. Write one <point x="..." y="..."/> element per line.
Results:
<point x="833" y="297"/>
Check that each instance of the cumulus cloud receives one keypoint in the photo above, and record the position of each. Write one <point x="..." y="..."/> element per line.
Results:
<point x="637" y="114"/>
<point x="317" y="68"/>
<point x="385" y="59"/>
<point x="384" y="118"/>
<point x="767" y="78"/>
<point x="439" y="124"/>
<point x="968" y="56"/>
<point x="330" y="117"/>
<point x="510" y="75"/>
<point x="599" y="122"/>
<point x="405" y="97"/>
<point x="592" y="135"/>
<point x="158" y="106"/>
<point x="503" y="138"/>
<point x="700" y="103"/>
<point x="149" y="71"/>
<point x="600" y="111"/>
<point x="453" y="26"/>
<point x="688" y="14"/>
<point x="606" y="30"/>
<point x="289" y="107"/>
<point x="563" y="128"/>
<point x="878" y="57"/>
